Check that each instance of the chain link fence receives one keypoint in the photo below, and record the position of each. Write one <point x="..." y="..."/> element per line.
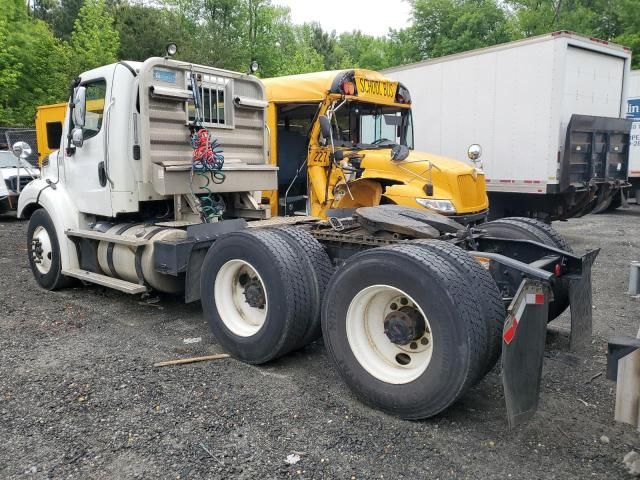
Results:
<point x="9" y="136"/>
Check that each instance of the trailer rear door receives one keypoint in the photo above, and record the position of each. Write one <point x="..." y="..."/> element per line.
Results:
<point x="593" y="84"/>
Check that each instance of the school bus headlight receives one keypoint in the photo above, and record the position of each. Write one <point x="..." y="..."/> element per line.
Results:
<point x="442" y="206"/>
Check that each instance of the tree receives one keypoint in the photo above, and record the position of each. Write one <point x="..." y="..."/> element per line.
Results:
<point x="443" y="27"/>
<point x="33" y="65"/>
<point x="628" y="14"/>
<point x="144" y="31"/>
<point x="94" y="40"/>
<point x="62" y="16"/>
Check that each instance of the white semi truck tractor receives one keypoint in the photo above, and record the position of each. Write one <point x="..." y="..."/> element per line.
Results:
<point x="157" y="187"/>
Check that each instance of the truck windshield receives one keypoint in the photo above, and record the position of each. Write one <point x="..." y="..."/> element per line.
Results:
<point x="366" y="125"/>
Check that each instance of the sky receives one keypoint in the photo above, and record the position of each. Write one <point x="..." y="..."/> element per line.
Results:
<point x="373" y="17"/>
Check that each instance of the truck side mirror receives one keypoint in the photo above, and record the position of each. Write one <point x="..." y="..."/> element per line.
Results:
<point x="77" y="137"/>
<point x="79" y="114"/>
<point x="79" y="106"/>
<point x="474" y="152"/>
<point x="21" y="149"/>
<point x="325" y="126"/>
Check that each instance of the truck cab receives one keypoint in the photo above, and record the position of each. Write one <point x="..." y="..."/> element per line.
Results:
<point x="367" y="157"/>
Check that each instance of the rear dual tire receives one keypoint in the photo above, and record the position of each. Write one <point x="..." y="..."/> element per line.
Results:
<point x="387" y="374"/>
<point x="524" y="228"/>
<point x="261" y="294"/>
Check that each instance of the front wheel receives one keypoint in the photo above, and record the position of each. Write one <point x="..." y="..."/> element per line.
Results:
<point x="44" y="252"/>
<point x="403" y="331"/>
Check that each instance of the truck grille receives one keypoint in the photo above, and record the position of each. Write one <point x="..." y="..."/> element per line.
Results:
<point x="12" y="182"/>
<point x="472" y="191"/>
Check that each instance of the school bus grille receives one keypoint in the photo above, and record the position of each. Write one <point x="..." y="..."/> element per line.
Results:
<point x="472" y="191"/>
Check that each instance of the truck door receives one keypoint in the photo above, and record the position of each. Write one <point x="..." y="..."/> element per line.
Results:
<point x="85" y="165"/>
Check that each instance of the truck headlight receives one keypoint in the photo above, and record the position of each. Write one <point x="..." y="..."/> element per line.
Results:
<point x="442" y="206"/>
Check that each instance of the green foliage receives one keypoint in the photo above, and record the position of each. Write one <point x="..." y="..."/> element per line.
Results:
<point x="33" y="65"/>
<point x="443" y="27"/>
<point x="94" y="41"/>
<point x="49" y="42"/>
<point x="144" y="31"/>
<point x="628" y="14"/>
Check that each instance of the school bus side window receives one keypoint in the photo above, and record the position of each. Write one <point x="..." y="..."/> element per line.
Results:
<point x="95" y="95"/>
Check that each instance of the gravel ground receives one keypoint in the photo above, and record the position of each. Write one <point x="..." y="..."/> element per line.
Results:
<point x="80" y="399"/>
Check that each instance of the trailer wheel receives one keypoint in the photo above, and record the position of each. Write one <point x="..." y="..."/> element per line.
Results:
<point x="403" y="330"/>
<point x="488" y="296"/>
<point x="256" y="295"/>
<point x="44" y="252"/>
<point x="318" y="264"/>
<point x="521" y="228"/>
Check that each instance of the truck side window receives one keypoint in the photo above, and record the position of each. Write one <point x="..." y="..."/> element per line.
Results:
<point x="96" y="93"/>
<point x="54" y="133"/>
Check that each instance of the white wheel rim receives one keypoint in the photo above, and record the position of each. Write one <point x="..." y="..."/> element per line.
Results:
<point x="41" y="250"/>
<point x="229" y="295"/>
<point x="370" y="345"/>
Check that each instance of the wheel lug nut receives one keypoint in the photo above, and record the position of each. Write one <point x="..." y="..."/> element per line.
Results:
<point x="404" y="301"/>
<point x="424" y="341"/>
<point x="393" y="306"/>
<point x="413" y="345"/>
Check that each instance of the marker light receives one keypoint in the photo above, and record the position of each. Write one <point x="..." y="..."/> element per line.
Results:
<point x="172" y="49"/>
<point x="348" y="88"/>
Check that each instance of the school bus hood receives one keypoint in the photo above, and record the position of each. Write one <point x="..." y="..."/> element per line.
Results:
<point x="453" y="180"/>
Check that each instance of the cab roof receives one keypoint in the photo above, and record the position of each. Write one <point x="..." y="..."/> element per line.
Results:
<point x="312" y="87"/>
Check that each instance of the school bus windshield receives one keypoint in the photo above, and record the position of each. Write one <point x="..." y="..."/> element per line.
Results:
<point x="366" y="125"/>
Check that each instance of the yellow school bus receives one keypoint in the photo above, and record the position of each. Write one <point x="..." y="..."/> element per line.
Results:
<point x="368" y="158"/>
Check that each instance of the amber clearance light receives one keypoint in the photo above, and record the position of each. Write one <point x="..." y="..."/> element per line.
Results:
<point x="348" y="88"/>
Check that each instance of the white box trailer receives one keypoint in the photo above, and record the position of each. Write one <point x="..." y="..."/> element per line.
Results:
<point x="547" y="112"/>
<point x="633" y="114"/>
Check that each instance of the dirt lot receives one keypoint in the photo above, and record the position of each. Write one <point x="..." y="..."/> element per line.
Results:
<point x="80" y="399"/>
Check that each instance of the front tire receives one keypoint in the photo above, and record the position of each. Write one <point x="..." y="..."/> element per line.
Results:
<point x="44" y="252"/>
<point x="403" y="331"/>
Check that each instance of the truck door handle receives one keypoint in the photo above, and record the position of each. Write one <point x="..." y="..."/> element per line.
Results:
<point x="102" y="174"/>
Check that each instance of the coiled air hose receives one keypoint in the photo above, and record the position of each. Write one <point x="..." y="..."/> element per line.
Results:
<point x="207" y="163"/>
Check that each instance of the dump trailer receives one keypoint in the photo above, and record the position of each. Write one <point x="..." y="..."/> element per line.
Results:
<point x="548" y="112"/>
<point x="633" y="114"/>
<point x="157" y="187"/>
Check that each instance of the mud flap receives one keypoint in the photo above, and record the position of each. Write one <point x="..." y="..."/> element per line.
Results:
<point x="523" y="341"/>
<point x="580" y="301"/>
